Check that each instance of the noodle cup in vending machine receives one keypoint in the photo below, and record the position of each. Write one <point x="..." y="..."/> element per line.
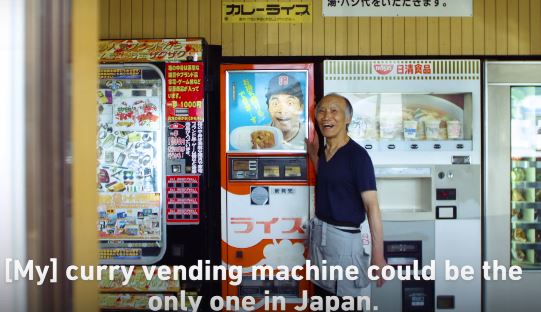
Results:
<point x="266" y="179"/>
<point x="420" y="121"/>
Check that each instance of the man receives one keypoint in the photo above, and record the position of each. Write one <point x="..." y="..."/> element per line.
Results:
<point x="345" y="196"/>
<point x="285" y="102"/>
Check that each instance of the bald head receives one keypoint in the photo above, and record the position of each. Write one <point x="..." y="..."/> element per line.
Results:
<point x="340" y="98"/>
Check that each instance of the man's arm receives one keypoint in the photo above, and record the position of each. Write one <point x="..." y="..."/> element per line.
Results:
<point x="370" y="200"/>
<point x="313" y="148"/>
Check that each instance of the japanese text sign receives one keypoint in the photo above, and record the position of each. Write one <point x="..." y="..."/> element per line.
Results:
<point x="266" y="12"/>
<point x="397" y="7"/>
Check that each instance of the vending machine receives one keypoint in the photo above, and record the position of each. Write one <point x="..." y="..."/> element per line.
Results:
<point x="266" y="178"/>
<point x="513" y="184"/>
<point x="420" y="122"/>
<point x="153" y="174"/>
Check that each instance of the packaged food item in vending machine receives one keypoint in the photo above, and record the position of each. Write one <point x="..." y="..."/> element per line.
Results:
<point x="519" y="235"/>
<point x="516" y="195"/>
<point x="454" y="130"/>
<point x="390" y="128"/>
<point x="410" y="129"/>
<point x="518" y="174"/>
<point x="432" y="129"/>
<point x="518" y="254"/>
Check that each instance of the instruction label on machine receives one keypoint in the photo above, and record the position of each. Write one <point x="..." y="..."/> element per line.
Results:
<point x="184" y="91"/>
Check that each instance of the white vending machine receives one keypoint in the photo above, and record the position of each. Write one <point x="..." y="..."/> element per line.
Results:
<point x="420" y="122"/>
<point x="513" y="183"/>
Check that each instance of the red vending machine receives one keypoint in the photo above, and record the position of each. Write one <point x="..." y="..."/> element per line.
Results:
<point x="267" y="181"/>
<point x="152" y="139"/>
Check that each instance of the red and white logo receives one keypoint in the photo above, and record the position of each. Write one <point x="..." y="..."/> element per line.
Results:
<point x="283" y="80"/>
<point x="176" y="125"/>
<point x="383" y="69"/>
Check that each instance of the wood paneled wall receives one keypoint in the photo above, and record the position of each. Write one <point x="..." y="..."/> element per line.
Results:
<point x="498" y="27"/>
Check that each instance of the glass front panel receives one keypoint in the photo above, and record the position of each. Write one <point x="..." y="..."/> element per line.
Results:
<point x="526" y="177"/>
<point x="412" y="118"/>
<point x="129" y="171"/>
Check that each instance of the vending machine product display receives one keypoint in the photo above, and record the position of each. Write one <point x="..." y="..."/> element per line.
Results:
<point x="152" y="173"/>
<point x="513" y="183"/>
<point x="130" y="163"/>
<point x="420" y="122"/>
<point x="266" y="179"/>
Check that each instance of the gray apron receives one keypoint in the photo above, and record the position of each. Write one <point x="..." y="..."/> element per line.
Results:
<point x="338" y="248"/>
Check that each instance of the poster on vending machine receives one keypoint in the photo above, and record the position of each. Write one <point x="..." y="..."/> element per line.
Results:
<point x="267" y="110"/>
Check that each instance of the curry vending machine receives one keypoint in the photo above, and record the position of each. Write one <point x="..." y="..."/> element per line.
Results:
<point x="420" y="121"/>
<point x="152" y="139"/>
<point x="266" y="179"/>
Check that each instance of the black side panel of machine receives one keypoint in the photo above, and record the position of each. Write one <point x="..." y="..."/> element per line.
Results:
<point x="186" y="244"/>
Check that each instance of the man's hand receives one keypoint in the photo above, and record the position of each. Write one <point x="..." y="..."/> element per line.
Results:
<point x="380" y="263"/>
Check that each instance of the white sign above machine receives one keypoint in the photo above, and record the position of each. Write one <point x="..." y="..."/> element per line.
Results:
<point x="397" y="7"/>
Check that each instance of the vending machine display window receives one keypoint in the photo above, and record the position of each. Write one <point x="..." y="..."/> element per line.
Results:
<point x="526" y="177"/>
<point x="130" y="161"/>
<point x="413" y="117"/>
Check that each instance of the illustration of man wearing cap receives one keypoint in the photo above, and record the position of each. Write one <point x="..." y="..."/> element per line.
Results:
<point x="285" y="102"/>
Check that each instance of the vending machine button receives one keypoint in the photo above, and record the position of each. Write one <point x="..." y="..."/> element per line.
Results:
<point x="437" y="146"/>
<point x="414" y="146"/>
<point x="368" y="146"/>
<point x="460" y="146"/>
<point x="391" y="146"/>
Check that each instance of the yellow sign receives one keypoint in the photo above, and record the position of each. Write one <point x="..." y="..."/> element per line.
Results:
<point x="266" y="12"/>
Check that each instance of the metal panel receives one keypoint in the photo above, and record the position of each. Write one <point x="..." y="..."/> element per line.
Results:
<point x="468" y="252"/>
<point x="501" y="295"/>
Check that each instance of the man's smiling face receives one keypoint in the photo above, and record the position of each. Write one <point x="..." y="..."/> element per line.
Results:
<point x="331" y="117"/>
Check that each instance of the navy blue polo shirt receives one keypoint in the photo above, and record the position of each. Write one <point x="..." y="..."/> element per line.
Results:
<point x="340" y="182"/>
